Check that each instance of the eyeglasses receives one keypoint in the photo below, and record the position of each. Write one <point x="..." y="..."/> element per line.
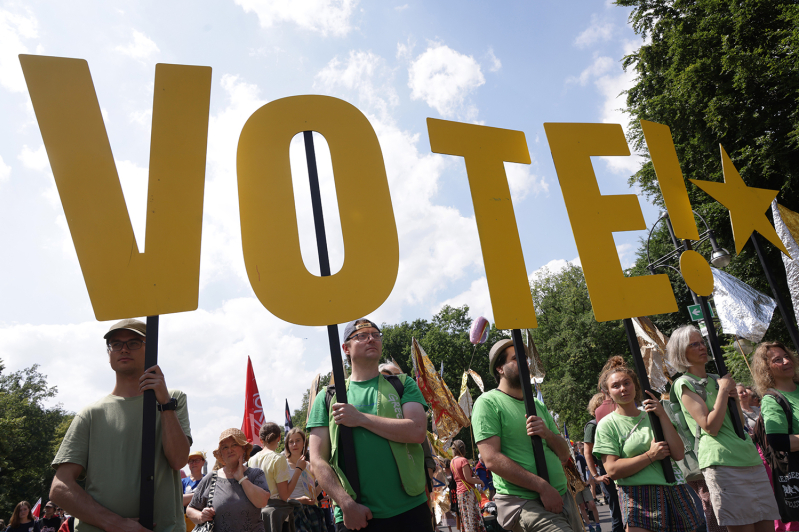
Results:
<point x="695" y="345"/>
<point x="363" y="337"/>
<point x="193" y="460"/>
<point x="132" y="345"/>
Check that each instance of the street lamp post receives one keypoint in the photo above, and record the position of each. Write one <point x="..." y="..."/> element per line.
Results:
<point x="719" y="258"/>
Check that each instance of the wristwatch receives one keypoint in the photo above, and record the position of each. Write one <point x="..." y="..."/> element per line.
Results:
<point x="172" y="404"/>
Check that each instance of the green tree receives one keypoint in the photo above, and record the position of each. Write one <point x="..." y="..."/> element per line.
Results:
<point x="718" y="72"/>
<point x="299" y="415"/>
<point x="572" y="344"/>
<point x="30" y="434"/>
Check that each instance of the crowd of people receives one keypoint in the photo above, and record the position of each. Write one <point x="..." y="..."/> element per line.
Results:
<point x="662" y="463"/>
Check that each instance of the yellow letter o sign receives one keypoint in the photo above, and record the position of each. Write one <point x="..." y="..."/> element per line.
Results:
<point x="269" y="234"/>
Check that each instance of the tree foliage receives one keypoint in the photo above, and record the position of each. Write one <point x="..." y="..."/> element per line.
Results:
<point x="572" y="344"/>
<point x="718" y="72"/>
<point x="30" y="435"/>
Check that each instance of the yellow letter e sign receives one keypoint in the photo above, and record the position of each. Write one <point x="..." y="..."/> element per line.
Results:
<point x="595" y="217"/>
<point x="269" y="233"/>
<point x="122" y="282"/>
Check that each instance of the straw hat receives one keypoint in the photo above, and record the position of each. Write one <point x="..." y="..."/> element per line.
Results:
<point x="239" y="437"/>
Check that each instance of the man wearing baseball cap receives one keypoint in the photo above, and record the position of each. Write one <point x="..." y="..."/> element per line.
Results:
<point x="388" y="428"/>
<point x="525" y="501"/>
<point x="103" y="445"/>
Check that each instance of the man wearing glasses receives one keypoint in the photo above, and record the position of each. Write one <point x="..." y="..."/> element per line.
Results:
<point x="388" y="429"/>
<point x="103" y="444"/>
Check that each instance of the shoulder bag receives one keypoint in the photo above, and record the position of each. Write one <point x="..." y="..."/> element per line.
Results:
<point x="208" y="526"/>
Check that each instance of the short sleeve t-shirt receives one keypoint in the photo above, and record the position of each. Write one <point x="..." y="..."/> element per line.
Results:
<point x="774" y="416"/>
<point x="604" y="409"/>
<point x="498" y="414"/>
<point x="274" y="465"/>
<point x="726" y="448"/>
<point x="628" y="437"/>
<point x="456" y="466"/>
<point x="590" y="432"/>
<point x="105" y="438"/>
<point x="381" y="489"/>
<point x="234" y="511"/>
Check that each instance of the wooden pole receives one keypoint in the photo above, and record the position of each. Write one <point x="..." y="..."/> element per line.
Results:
<point x="346" y="443"/>
<point x="643" y="377"/>
<point x="529" y="403"/>
<point x="147" y="488"/>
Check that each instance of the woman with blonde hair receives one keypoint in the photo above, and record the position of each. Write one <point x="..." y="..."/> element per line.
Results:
<point x="468" y="502"/>
<point x="774" y="368"/>
<point x="22" y="519"/>
<point x="737" y="485"/>
<point x="236" y="492"/>
<point x="625" y="442"/>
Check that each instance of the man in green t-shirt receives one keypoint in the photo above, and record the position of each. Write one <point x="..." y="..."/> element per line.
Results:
<point x="103" y="446"/>
<point x="387" y="429"/>
<point x="525" y="501"/>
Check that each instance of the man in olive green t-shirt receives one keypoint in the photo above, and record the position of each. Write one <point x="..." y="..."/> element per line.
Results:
<point x="104" y="444"/>
<point x="525" y="501"/>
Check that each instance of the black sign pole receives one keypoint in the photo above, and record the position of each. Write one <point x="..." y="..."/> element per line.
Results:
<point x="786" y="317"/>
<point x="147" y="489"/>
<point x="643" y="377"/>
<point x="346" y="443"/>
<point x="712" y="337"/>
<point x="529" y="403"/>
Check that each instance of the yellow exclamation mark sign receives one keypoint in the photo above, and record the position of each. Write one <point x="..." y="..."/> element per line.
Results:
<point x="693" y="266"/>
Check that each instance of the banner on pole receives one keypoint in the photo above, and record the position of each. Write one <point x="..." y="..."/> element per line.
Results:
<point x="253" y="410"/>
<point x="742" y="309"/>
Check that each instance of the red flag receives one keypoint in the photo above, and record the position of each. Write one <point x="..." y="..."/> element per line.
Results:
<point x="37" y="508"/>
<point x="253" y="411"/>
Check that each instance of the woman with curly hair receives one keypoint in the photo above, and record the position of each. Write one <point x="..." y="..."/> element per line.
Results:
<point x="625" y="442"/>
<point x="737" y="484"/>
<point x="774" y="368"/>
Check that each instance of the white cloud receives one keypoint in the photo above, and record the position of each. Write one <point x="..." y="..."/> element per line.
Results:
<point x="401" y="8"/>
<point x="444" y="78"/>
<point x="358" y="73"/>
<point x="133" y="179"/>
<point x="598" y="31"/>
<point x="600" y="66"/>
<point x="496" y="64"/>
<point x="14" y="29"/>
<point x="521" y="181"/>
<point x="477" y="297"/>
<point x="323" y="16"/>
<point x="5" y="171"/>
<point x="35" y="160"/>
<point x="552" y="267"/>
<point x="141" y="48"/>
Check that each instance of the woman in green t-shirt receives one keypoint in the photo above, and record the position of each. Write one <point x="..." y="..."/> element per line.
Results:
<point x="625" y="443"/>
<point x="739" y="490"/>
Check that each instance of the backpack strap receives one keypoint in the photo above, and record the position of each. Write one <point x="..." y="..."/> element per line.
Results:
<point x="396" y="382"/>
<point x="786" y="407"/>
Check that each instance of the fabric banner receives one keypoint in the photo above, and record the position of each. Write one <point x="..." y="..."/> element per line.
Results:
<point x="465" y="398"/>
<point x="786" y="222"/>
<point x="448" y="416"/>
<point x="742" y="309"/>
<point x="653" y="350"/>
<point x="537" y="372"/>
<point x="253" y="410"/>
<point x="288" y="425"/>
<point x="478" y="380"/>
<point x="37" y="509"/>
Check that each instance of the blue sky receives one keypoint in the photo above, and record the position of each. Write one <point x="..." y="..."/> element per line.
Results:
<point x="512" y="65"/>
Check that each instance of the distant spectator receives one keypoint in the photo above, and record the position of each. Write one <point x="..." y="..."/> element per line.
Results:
<point x="468" y="500"/>
<point x="190" y="483"/>
<point x="22" y="519"/>
<point x="50" y="522"/>
<point x="751" y="413"/>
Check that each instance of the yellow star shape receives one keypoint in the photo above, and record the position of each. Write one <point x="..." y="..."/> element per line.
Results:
<point x="747" y="205"/>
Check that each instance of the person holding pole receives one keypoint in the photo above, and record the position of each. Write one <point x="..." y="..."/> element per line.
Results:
<point x="525" y="502"/>
<point x="388" y="429"/>
<point x="625" y="442"/>
<point x="731" y="466"/>
<point x="104" y="444"/>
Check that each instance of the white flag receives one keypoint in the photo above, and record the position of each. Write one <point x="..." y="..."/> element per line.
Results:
<point x="742" y="309"/>
<point x="785" y="222"/>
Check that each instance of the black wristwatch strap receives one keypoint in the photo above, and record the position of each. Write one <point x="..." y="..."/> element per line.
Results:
<point x="172" y="404"/>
